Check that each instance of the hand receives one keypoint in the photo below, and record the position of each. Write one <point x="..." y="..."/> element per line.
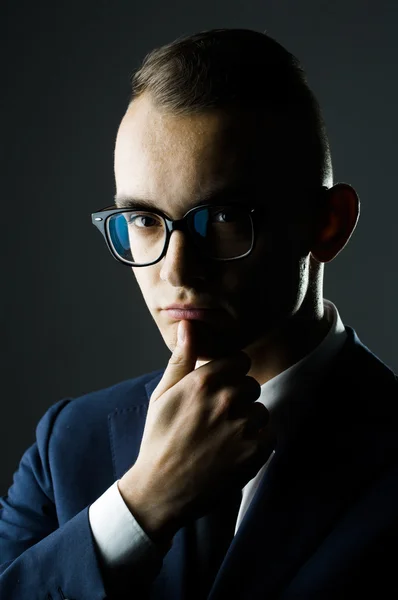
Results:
<point x="203" y="435"/>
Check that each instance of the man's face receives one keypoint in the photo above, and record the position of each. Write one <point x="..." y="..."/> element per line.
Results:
<point x="173" y="161"/>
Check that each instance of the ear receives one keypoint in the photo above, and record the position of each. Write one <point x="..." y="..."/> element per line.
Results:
<point x="335" y="222"/>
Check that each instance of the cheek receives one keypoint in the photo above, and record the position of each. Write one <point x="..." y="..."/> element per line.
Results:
<point x="271" y="280"/>
<point x="146" y="279"/>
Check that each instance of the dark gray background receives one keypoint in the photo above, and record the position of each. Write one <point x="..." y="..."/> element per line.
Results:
<point x="73" y="319"/>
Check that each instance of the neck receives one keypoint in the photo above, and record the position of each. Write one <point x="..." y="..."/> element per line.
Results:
<point x="285" y="346"/>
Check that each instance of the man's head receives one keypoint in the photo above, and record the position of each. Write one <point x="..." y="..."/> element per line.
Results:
<point x="231" y="109"/>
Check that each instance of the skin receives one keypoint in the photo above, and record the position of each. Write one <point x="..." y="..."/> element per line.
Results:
<point x="271" y="303"/>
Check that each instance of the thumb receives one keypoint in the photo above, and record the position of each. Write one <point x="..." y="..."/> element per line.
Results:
<point x="181" y="362"/>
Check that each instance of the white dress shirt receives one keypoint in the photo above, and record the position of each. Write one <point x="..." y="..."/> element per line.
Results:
<point x="119" y="538"/>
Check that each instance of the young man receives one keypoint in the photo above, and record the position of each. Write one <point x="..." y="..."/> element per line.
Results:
<point x="262" y="462"/>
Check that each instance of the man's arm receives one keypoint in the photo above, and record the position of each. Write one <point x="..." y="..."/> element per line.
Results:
<point x="40" y="558"/>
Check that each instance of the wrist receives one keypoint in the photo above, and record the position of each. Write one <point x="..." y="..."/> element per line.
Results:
<point x="150" y="514"/>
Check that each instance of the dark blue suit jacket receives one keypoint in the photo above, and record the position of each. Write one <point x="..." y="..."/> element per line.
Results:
<point x="323" y="524"/>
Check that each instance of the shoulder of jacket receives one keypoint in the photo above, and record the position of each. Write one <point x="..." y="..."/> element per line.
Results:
<point x="99" y="403"/>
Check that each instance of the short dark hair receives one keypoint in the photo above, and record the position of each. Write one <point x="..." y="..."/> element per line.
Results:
<point x="242" y="69"/>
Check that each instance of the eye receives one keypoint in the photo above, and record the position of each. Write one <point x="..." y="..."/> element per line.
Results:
<point x="144" y="220"/>
<point x="226" y="215"/>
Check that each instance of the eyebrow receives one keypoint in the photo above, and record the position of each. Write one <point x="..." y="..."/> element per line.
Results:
<point x="227" y="194"/>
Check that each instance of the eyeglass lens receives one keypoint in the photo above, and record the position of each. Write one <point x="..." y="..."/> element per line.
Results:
<point x="139" y="237"/>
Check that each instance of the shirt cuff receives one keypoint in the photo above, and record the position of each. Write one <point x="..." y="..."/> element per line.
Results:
<point x="119" y="538"/>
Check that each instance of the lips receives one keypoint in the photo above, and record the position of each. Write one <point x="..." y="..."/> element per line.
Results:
<point x="193" y="313"/>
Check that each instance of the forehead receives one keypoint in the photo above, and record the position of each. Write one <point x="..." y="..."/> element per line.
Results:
<point x="174" y="161"/>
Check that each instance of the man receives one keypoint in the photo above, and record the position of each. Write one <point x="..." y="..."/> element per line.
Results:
<point x="262" y="462"/>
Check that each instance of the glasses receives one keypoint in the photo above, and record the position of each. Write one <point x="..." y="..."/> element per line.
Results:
<point x="140" y="238"/>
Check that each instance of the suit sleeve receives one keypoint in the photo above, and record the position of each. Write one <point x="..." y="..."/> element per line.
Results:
<point x="40" y="559"/>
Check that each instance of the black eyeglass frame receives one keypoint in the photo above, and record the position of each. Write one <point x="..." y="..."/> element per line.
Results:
<point x="101" y="217"/>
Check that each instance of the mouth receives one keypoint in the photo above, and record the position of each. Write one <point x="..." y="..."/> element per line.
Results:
<point x="212" y="316"/>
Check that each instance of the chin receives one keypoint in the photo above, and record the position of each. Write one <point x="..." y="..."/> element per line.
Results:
<point x="211" y="343"/>
<point x="217" y="349"/>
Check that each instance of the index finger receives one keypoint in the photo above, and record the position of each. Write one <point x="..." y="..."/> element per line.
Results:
<point x="181" y="362"/>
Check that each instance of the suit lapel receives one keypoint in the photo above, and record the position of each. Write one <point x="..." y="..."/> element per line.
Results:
<point x="285" y="522"/>
<point x="126" y="426"/>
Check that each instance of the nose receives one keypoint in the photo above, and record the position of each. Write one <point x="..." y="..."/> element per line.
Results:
<point x="182" y="265"/>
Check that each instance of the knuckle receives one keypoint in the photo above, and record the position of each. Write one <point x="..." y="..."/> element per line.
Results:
<point x="261" y="414"/>
<point x="224" y="400"/>
<point x="206" y="382"/>
<point x="248" y="452"/>
<point x="253" y="386"/>
<point x="239" y="427"/>
<point x="200" y="382"/>
<point x="176" y="359"/>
